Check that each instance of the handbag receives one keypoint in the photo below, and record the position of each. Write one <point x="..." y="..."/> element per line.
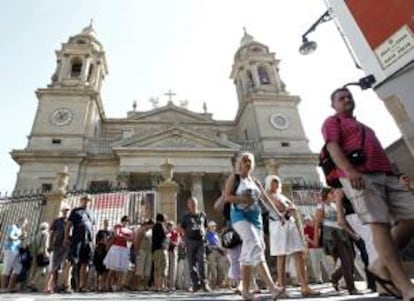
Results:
<point x="356" y="157"/>
<point x="230" y="238"/>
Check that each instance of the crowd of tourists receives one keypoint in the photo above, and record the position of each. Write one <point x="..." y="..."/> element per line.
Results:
<point x="370" y="216"/>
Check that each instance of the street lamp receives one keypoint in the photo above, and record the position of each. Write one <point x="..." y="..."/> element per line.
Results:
<point x="307" y="46"/>
<point x="364" y="82"/>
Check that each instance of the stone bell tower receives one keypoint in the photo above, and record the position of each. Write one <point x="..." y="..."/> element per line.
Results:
<point x="268" y="116"/>
<point x="69" y="112"/>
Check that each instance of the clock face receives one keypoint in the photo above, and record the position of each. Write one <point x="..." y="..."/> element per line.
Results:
<point x="62" y="117"/>
<point x="279" y="121"/>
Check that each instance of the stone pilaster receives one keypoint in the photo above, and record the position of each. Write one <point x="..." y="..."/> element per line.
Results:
<point x="167" y="192"/>
<point x="55" y="197"/>
<point x="167" y="199"/>
<point x="197" y="189"/>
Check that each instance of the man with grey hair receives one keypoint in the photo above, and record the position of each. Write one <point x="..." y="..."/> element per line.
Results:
<point x="194" y="225"/>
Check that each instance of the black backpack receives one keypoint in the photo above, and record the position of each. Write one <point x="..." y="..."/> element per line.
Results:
<point x="227" y="205"/>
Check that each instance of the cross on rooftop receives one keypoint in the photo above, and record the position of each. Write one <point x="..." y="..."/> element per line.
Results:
<point x="170" y="94"/>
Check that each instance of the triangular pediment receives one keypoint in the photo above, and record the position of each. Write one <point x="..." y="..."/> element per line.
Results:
<point x="171" y="113"/>
<point x="176" y="137"/>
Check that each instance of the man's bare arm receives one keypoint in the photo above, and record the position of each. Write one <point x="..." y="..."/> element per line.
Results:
<point x="341" y="161"/>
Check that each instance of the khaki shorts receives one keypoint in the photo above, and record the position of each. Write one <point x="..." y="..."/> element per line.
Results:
<point x="143" y="263"/>
<point x="383" y="200"/>
<point x="160" y="263"/>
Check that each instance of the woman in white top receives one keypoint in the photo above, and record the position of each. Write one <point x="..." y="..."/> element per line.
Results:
<point x="285" y="238"/>
<point x="244" y="192"/>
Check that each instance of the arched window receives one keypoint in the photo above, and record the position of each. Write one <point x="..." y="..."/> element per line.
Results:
<point x="250" y="80"/>
<point x="76" y="68"/>
<point x="263" y="75"/>
<point x="90" y="73"/>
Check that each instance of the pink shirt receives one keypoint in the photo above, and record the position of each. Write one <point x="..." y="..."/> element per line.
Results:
<point x="347" y="132"/>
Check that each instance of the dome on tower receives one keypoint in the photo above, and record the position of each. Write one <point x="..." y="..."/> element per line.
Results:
<point x="246" y="39"/>
<point x="86" y="37"/>
<point x="89" y="31"/>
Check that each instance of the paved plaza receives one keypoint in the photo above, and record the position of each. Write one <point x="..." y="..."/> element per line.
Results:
<point x="327" y="291"/>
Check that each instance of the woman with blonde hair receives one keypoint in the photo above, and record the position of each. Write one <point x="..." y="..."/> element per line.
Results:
<point x="285" y="238"/>
<point x="244" y="193"/>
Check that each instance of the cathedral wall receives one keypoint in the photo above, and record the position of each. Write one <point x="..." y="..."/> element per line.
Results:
<point x="49" y="104"/>
<point x="182" y="164"/>
<point x="50" y="143"/>
<point x="284" y="146"/>
<point x="302" y="172"/>
<point x="33" y="174"/>
<point x="100" y="173"/>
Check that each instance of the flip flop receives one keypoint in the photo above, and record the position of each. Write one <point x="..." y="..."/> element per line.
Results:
<point x="386" y="284"/>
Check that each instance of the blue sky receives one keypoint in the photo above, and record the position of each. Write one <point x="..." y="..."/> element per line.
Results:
<point x="183" y="45"/>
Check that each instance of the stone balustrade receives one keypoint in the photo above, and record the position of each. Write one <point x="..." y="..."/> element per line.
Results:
<point x="100" y="145"/>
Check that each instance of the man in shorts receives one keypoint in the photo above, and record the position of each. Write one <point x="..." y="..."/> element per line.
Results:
<point x="59" y="251"/>
<point x="377" y="196"/>
<point x="81" y="244"/>
<point x="12" y="266"/>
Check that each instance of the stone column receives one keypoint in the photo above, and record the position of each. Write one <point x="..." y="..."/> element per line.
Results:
<point x="167" y="192"/>
<point x="55" y="197"/>
<point x="197" y="189"/>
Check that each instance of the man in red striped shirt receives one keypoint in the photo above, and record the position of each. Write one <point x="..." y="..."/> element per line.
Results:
<point x="376" y="195"/>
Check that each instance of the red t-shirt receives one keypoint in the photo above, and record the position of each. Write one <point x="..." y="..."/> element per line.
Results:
<point x="310" y="232"/>
<point x="121" y="235"/>
<point x="347" y="132"/>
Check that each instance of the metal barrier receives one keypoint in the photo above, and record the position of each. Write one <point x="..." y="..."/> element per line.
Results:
<point x="27" y="204"/>
<point x="137" y="205"/>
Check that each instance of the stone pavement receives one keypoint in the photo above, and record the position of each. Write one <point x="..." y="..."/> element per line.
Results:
<point x="328" y="293"/>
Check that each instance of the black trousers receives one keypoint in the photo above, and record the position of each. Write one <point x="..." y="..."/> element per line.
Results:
<point x="360" y="244"/>
<point x="345" y="254"/>
<point x="197" y="262"/>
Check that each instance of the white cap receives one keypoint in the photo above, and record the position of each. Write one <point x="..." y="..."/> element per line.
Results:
<point x="212" y="223"/>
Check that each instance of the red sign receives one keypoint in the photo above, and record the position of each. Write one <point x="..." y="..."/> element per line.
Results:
<point x="378" y="20"/>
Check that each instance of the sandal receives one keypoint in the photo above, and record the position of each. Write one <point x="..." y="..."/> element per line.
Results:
<point x="308" y="292"/>
<point x="277" y="292"/>
<point x="387" y="285"/>
<point x="48" y="291"/>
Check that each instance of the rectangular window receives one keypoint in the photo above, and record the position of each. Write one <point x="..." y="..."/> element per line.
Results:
<point x="285" y="144"/>
<point x="56" y="141"/>
<point x="99" y="185"/>
<point x="46" y="187"/>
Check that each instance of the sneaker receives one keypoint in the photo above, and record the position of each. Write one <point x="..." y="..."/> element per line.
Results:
<point x="206" y="288"/>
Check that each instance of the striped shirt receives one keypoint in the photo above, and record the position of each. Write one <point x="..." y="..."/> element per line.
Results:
<point x="347" y="132"/>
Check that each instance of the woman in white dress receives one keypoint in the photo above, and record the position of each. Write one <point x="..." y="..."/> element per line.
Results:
<point x="285" y="238"/>
<point x="117" y="258"/>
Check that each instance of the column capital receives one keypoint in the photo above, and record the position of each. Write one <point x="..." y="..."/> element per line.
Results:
<point x="272" y="166"/>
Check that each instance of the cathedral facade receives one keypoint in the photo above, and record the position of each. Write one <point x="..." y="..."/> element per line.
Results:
<point x="71" y="129"/>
